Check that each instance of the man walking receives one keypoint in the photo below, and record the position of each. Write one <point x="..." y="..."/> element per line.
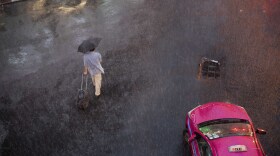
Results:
<point x="92" y="64"/>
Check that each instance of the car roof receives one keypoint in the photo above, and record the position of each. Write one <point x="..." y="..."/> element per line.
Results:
<point x="217" y="110"/>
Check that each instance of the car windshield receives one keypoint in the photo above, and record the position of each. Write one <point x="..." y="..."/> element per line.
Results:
<point x="225" y="127"/>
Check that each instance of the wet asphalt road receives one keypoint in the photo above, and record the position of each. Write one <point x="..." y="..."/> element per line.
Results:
<point x="151" y="51"/>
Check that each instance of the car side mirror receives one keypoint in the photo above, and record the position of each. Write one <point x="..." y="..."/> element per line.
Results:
<point x="192" y="138"/>
<point x="260" y="131"/>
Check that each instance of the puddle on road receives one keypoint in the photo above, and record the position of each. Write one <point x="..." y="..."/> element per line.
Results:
<point x="19" y="58"/>
<point x="22" y="56"/>
<point x="80" y="20"/>
<point x="50" y="37"/>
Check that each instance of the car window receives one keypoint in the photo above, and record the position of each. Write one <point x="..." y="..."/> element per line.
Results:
<point x="204" y="148"/>
<point x="223" y="128"/>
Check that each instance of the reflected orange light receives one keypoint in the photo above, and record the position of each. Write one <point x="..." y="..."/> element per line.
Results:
<point x="67" y="9"/>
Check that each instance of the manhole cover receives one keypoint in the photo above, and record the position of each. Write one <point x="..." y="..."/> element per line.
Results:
<point x="208" y="68"/>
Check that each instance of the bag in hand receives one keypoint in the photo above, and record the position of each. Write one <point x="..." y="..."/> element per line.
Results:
<point x="83" y="99"/>
<point x="83" y="96"/>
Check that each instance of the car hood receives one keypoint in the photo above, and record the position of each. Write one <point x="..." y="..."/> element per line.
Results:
<point x="217" y="110"/>
<point x="222" y="145"/>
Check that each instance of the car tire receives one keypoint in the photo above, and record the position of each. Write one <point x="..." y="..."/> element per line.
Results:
<point x="186" y="150"/>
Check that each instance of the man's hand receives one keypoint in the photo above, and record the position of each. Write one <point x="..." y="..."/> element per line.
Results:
<point x="85" y="70"/>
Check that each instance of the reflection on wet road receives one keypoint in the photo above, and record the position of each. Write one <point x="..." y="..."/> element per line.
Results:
<point x="151" y="51"/>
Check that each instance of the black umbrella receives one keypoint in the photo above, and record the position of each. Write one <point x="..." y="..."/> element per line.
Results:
<point x="89" y="44"/>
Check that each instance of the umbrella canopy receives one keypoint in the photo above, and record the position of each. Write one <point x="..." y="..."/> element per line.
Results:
<point x="89" y="44"/>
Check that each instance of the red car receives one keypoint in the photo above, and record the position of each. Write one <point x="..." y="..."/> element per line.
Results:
<point x="221" y="129"/>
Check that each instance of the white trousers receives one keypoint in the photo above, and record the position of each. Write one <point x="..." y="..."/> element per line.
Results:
<point x="96" y="81"/>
